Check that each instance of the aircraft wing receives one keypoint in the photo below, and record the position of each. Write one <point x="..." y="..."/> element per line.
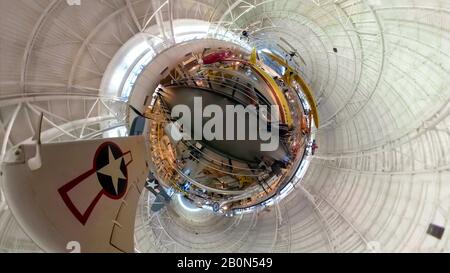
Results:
<point x="161" y="195"/>
<point x="85" y="192"/>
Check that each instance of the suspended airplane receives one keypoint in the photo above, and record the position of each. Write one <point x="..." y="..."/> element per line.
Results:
<point x="83" y="191"/>
<point x="162" y="198"/>
<point x="217" y="56"/>
<point x="292" y="52"/>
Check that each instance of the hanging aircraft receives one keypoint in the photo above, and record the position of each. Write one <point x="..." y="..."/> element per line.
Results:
<point x="292" y="52"/>
<point x="162" y="198"/>
<point x="90" y="198"/>
<point x="217" y="56"/>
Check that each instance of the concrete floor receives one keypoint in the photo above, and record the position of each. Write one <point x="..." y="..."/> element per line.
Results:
<point x="242" y="150"/>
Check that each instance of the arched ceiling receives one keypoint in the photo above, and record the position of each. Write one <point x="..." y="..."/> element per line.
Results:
<point x="378" y="68"/>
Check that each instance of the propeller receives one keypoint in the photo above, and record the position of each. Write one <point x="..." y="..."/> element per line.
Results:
<point x="137" y="112"/>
